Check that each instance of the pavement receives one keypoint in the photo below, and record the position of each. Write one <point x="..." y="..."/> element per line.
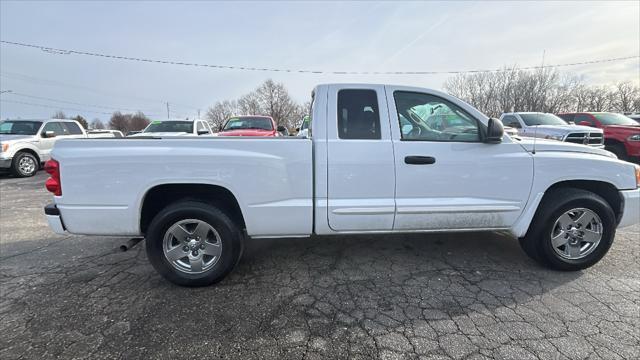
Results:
<point x="464" y="296"/>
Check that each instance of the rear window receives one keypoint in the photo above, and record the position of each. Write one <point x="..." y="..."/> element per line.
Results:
<point x="614" y="119"/>
<point x="542" y="119"/>
<point x="358" y="116"/>
<point x="241" y="123"/>
<point x="170" y="126"/>
<point x="72" y="128"/>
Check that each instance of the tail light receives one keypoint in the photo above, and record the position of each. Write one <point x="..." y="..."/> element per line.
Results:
<point x="53" y="184"/>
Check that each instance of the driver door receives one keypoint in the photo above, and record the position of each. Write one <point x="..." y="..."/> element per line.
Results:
<point x="46" y="143"/>
<point x="447" y="178"/>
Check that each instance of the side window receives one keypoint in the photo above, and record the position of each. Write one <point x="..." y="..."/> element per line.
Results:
<point x="200" y="126"/>
<point x="55" y="126"/>
<point x="510" y="120"/>
<point x="566" y="117"/>
<point x="584" y="117"/>
<point x="430" y="118"/>
<point x="358" y="115"/>
<point x="72" y="128"/>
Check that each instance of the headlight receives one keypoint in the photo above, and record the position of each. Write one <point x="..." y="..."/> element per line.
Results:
<point x="554" y="137"/>
<point x="635" y="137"/>
<point x="4" y="147"/>
<point x="637" y="175"/>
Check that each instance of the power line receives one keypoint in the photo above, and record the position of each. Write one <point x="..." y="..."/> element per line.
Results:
<point x="75" y="103"/>
<point x="58" y="51"/>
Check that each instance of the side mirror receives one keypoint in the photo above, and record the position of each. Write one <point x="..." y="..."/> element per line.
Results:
<point x="584" y="123"/>
<point x="495" y="131"/>
<point x="48" y="134"/>
<point x="281" y="128"/>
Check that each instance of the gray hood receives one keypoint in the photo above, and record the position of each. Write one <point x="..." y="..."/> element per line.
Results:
<point x="552" y="145"/>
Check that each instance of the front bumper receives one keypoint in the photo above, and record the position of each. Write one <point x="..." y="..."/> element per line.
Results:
<point x="54" y="219"/>
<point x="5" y="163"/>
<point x="631" y="211"/>
<point x="633" y="148"/>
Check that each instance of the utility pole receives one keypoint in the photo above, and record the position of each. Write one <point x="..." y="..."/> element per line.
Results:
<point x="167" y="109"/>
<point x="198" y="113"/>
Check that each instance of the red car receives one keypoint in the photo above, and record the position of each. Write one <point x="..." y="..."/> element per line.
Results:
<point x="621" y="134"/>
<point x="250" y="125"/>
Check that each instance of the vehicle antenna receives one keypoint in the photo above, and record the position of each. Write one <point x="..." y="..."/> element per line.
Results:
<point x="535" y="137"/>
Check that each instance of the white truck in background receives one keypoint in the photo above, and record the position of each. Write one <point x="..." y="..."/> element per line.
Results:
<point x="371" y="164"/>
<point x="26" y="144"/>
<point x="551" y="127"/>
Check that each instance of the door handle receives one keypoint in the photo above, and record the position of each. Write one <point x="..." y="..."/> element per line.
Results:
<point x="419" y="160"/>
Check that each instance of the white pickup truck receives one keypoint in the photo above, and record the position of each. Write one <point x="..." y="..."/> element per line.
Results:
<point x="371" y="164"/>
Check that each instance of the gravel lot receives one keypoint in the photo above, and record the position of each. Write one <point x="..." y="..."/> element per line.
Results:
<point x="466" y="296"/>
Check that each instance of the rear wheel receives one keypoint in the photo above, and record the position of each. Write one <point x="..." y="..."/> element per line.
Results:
<point x="24" y="164"/>
<point x="191" y="243"/>
<point x="572" y="230"/>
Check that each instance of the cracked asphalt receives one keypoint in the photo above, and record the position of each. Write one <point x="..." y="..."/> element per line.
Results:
<point x="464" y="296"/>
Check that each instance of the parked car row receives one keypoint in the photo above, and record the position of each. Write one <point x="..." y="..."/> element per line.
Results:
<point x="614" y="132"/>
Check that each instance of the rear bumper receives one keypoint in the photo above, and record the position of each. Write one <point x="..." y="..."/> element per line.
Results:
<point x="54" y="219"/>
<point x="631" y="210"/>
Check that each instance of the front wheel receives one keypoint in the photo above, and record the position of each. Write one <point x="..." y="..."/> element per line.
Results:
<point x="24" y="164"/>
<point x="572" y="230"/>
<point x="191" y="243"/>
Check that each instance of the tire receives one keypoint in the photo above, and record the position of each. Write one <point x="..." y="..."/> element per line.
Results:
<point x="163" y="241"/>
<point x="570" y="204"/>
<point x="619" y="151"/>
<point x="24" y="164"/>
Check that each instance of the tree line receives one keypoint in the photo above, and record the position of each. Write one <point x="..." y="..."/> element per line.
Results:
<point x="270" y="99"/>
<point x="118" y="121"/>
<point x="493" y="93"/>
<point x="542" y="90"/>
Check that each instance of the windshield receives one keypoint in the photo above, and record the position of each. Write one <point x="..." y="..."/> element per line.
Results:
<point x="542" y="119"/>
<point x="170" y="126"/>
<point x="19" y="127"/>
<point x="614" y="119"/>
<point x="260" y="123"/>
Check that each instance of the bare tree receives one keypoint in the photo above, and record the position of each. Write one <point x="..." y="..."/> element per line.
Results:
<point x="81" y="120"/>
<point x="623" y="97"/>
<point x="138" y="121"/>
<point x="221" y="111"/>
<point x="97" y="124"/>
<point x="544" y="90"/>
<point x="59" y="115"/>
<point x="270" y="99"/>
<point x="119" y="121"/>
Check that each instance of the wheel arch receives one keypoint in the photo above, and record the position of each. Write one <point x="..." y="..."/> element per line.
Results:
<point x="160" y="196"/>
<point x="30" y="151"/>
<point x="608" y="191"/>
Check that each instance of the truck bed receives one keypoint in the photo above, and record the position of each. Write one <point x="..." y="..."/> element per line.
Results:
<point x="104" y="181"/>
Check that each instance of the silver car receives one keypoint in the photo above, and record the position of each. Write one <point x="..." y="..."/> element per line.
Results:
<point x="25" y="144"/>
<point x="549" y="126"/>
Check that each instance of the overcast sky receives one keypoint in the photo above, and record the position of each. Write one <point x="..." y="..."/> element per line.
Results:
<point x="328" y="36"/>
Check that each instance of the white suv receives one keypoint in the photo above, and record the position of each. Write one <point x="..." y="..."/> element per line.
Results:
<point x="26" y="144"/>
